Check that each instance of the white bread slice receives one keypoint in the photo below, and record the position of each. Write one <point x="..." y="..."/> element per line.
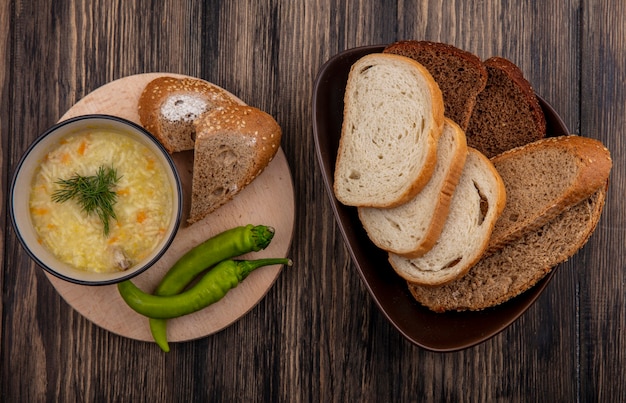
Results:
<point x="393" y="117"/>
<point x="412" y="229"/>
<point x="478" y="201"/>
<point x="519" y="265"/>
<point x="544" y="178"/>
<point x="233" y="146"/>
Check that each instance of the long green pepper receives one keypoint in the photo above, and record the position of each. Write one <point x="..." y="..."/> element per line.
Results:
<point x="226" y="245"/>
<point x="209" y="289"/>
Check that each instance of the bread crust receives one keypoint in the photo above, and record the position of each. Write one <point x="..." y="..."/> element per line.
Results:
<point x="175" y="133"/>
<point x="461" y="75"/>
<point x="593" y="165"/>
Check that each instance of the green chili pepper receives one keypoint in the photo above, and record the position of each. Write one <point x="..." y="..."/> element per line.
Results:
<point x="209" y="289"/>
<point x="228" y="244"/>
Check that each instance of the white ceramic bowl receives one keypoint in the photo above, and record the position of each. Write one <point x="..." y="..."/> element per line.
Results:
<point x="20" y="194"/>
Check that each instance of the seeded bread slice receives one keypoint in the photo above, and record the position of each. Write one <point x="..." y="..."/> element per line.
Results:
<point x="544" y="178"/>
<point x="507" y="113"/>
<point x="168" y="107"/>
<point x="461" y="75"/>
<point x="233" y="146"/>
<point x="478" y="201"/>
<point x="413" y="228"/>
<point x="393" y="117"/>
<point x="520" y="265"/>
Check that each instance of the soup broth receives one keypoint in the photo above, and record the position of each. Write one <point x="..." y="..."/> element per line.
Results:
<point x="143" y="207"/>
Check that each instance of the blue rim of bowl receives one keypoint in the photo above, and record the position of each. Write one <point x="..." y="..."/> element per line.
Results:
<point x="168" y="158"/>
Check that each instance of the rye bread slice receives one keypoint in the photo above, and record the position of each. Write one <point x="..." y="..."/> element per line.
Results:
<point x="233" y="146"/>
<point x="461" y="75"/>
<point x="543" y="179"/>
<point x="168" y="106"/>
<point x="507" y="113"/>
<point x="519" y="265"/>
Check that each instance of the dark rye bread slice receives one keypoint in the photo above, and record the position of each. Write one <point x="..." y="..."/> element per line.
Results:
<point x="461" y="75"/>
<point x="507" y="113"/>
<point x="168" y="106"/>
<point x="519" y="265"/>
<point x="544" y="178"/>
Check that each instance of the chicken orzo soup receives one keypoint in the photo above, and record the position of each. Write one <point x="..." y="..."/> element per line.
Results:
<point x="141" y="208"/>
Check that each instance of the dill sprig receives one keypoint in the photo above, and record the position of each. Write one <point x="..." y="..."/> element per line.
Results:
<point x="92" y="193"/>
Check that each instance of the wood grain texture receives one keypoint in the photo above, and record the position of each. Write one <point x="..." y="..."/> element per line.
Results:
<point x="602" y="276"/>
<point x="316" y="336"/>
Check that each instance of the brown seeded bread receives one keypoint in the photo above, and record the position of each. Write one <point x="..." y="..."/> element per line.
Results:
<point x="478" y="201"/>
<point x="168" y="107"/>
<point x="461" y="75"/>
<point x="393" y="117"/>
<point x="233" y="146"/>
<point x="520" y="265"/>
<point x="413" y="228"/>
<point x="544" y="178"/>
<point x="507" y="113"/>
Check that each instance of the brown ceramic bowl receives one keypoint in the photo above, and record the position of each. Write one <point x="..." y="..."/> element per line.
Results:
<point x="442" y="332"/>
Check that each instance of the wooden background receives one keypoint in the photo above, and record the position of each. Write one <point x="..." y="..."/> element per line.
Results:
<point x="317" y="335"/>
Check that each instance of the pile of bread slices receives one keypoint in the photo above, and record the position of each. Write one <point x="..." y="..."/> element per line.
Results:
<point x="232" y="142"/>
<point x="447" y="160"/>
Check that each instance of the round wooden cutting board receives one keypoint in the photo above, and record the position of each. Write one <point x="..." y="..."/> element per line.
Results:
<point x="268" y="200"/>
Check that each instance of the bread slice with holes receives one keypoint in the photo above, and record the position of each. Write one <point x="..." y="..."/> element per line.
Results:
<point x="393" y="117"/>
<point x="461" y="75"/>
<point x="412" y="229"/>
<point x="168" y="106"/>
<point x="478" y="201"/>
<point x="520" y="265"/>
<point x="544" y="178"/>
<point x="234" y="144"/>
<point x="507" y="113"/>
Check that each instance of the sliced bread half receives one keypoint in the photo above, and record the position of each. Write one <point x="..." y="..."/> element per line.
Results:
<point x="478" y="201"/>
<point x="461" y="75"/>
<point x="233" y="146"/>
<point x="168" y="107"/>
<point x="412" y="229"/>
<point x="519" y="265"/>
<point x="544" y="178"/>
<point x="393" y="117"/>
<point x="507" y="113"/>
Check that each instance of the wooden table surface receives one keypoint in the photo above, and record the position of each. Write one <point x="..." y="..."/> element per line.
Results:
<point x="317" y="335"/>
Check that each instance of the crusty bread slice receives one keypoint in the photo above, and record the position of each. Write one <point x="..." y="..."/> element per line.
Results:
<point x="168" y="107"/>
<point x="233" y="146"/>
<point x="478" y="201"/>
<point x="393" y="117"/>
<point x="412" y="229"/>
<point x="461" y="75"/>
<point x="507" y="113"/>
<point x="544" y="178"/>
<point x="520" y="265"/>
